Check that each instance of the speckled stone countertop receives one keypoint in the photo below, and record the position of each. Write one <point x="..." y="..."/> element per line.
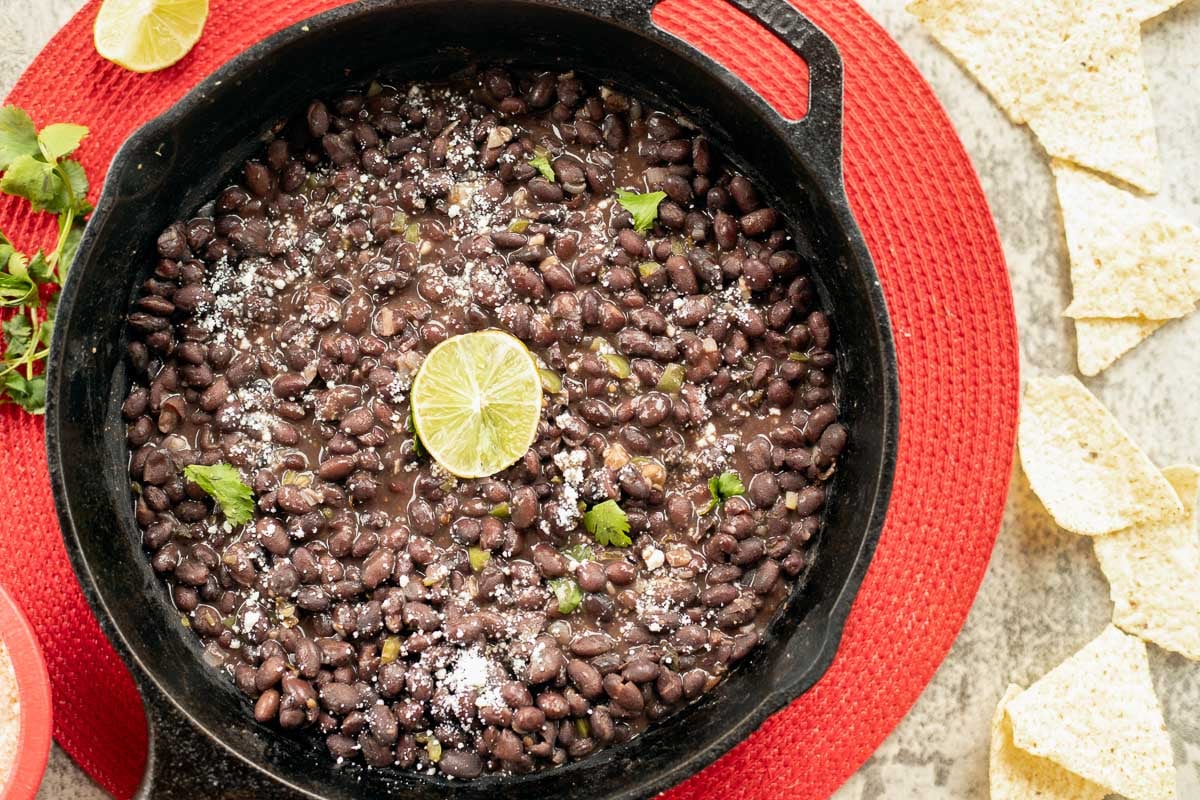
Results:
<point x="1043" y="596"/>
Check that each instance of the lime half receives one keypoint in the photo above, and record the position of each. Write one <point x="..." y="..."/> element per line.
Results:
<point x="148" y="35"/>
<point x="476" y="402"/>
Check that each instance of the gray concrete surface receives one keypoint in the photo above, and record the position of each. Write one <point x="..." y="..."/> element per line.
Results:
<point x="1043" y="596"/>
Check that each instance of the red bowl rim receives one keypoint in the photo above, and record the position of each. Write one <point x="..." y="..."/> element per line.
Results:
<point x="33" y="689"/>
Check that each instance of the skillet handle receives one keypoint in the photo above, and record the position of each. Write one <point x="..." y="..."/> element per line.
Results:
<point x="184" y="764"/>
<point x="819" y="132"/>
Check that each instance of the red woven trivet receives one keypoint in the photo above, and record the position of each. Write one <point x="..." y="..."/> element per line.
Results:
<point x="929" y="229"/>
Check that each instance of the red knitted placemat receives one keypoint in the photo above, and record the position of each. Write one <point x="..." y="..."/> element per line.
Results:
<point x="928" y="227"/>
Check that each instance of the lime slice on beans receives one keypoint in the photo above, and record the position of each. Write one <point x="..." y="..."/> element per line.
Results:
<point x="148" y="35"/>
<point x="476" y="402"/>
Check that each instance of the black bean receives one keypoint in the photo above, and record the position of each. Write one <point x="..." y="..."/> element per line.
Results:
<point x="832" y="440"/>
<point x="267" y="706"/>
<point x="669" y="686"/>
<point x="545" y="661"/>
<point x="818" y="324"/>
<point x="590" y="576"/>
<point x="759" y="222"/>
<point x="553" y="705"/>
<point x="462" y="764"/>
<point x="821" y="418"/>
<point x="588" y="645"/>
<point x="586" y="678"/>
<point x="624" y="693"/>
<point x="528" y="719"/>
<point x="318" y="119"/>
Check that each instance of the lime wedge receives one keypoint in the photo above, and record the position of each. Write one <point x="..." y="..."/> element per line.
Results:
<point x="148" y="35"/>
<point x="476" y="402"/>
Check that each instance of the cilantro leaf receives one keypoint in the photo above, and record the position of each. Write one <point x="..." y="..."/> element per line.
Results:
<point x="60" y="139"/>
<point x="28" y="393"/>
<point x="224" y="484"/>
<point x="541" y="163"/>
<point x="608" y="523"/>
<point x="643" y="207"/>
<point x="18" y="136"/>
<point x="580" y="553"/>
<point x="16" y="289"/>
<point x="18" y="332"/>
<point x="478" y="558"/>
<point x="34" y="180"/>
<point x="79" y="186"/>
<point x="46" y="329"/>
<point x="722" y="487"/>
<point x="568" y="594"/>
<point x="39" y="269"/>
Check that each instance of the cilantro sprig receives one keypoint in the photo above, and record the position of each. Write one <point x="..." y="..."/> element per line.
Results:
<point x="36" y="167"/>
<point x="224" y="484"/>
<point x="722" y="487"/>
<point x="643" y="207"/>
<point x="607" y="522"/>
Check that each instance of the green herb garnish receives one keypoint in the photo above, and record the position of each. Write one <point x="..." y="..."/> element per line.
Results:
<point x="224" y="484"/>
<point x="617" y="365"/>
<point x="568" y="593"/>
<point x="551" y="381"/>
<point x="722" y="487"/>
<point x="391" y="650"/>
<point x="36" y="167"/>
<point x="500" y="510"/>
<point x="672" y="378"/>
<point x="478" y="558"/>
<point x="643" y="207"/>
<point x="541" y="162"/>
<point x="433" y="747"/>
<point x="607" y="522"/>
<point x="580" y="553"/>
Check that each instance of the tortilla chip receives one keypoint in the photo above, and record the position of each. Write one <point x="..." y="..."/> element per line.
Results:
<point x="1072" y="71"/>
<point x="1143" y="10"/>
<point x="1083" y="466"/>
<point x="1099" y="342"/>
<point x="1016" y="775"/>
<point x="1129" y="258"/>
<point x="1092" y="104"/>
<point x="1153" y="573"/>
<point x="1097" y="715"/>
<point x="992" y="39"/>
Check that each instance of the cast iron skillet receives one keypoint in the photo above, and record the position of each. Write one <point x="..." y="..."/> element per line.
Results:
<point x="204" y="742"/>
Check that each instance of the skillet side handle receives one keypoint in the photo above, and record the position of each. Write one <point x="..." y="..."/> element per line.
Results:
<point x="819" y="132"/>
<point x="184" y="764"/>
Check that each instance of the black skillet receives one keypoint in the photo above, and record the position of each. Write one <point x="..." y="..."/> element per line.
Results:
<point x="203" y="740"/>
